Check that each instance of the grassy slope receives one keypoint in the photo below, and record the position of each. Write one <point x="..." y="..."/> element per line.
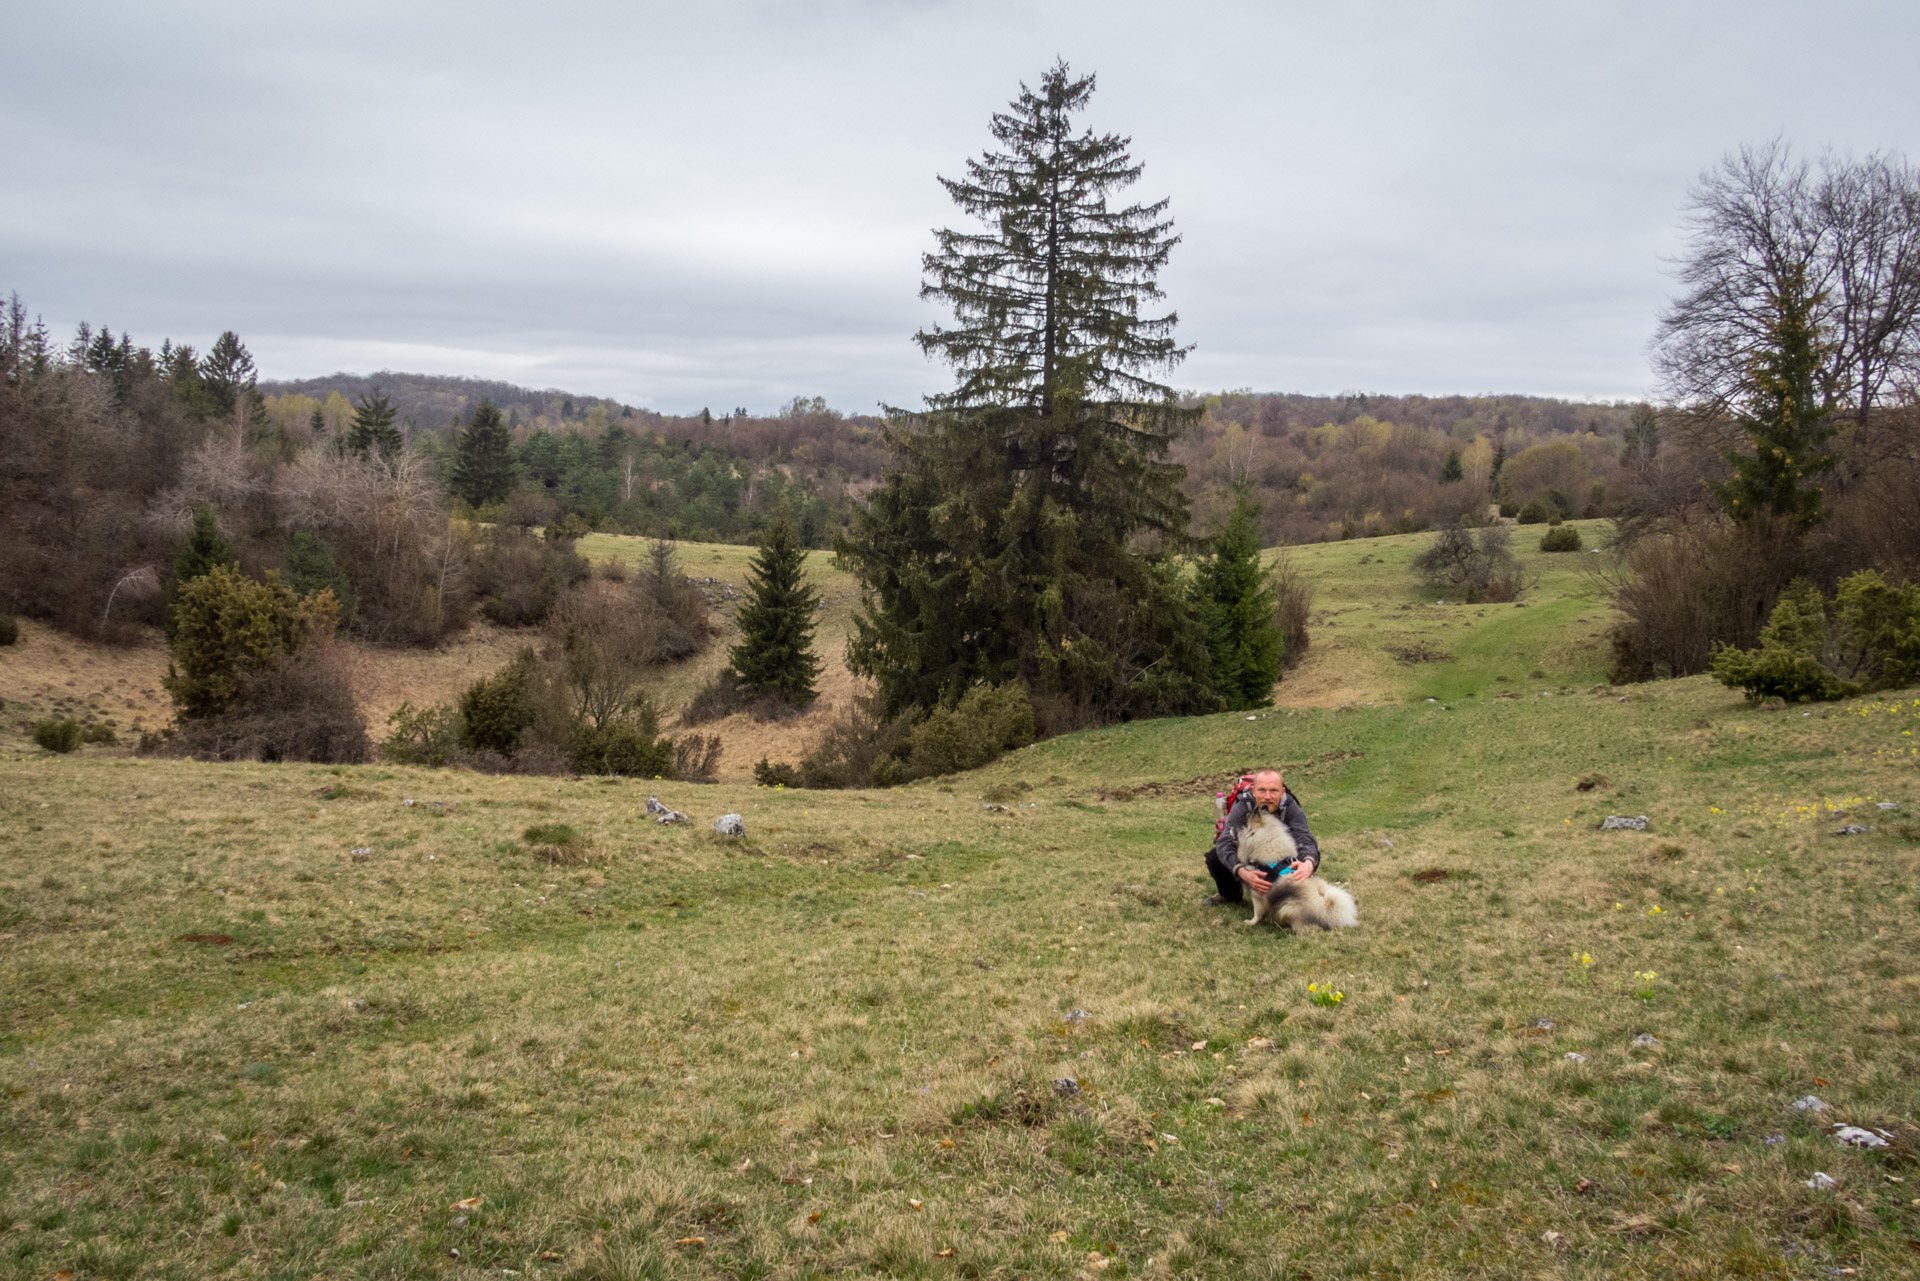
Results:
<point x="1367" y="604"/>
<point x="831" y="1049"/>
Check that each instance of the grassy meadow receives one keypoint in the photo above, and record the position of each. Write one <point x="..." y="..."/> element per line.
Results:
<point x="304" y="1021"/>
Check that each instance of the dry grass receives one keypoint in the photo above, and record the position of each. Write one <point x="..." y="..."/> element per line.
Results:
<point x="832" y="1048"/>
<point x="1366" y="605"/>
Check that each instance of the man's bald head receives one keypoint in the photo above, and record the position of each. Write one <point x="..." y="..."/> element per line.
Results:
<point x="1269" y="789"/>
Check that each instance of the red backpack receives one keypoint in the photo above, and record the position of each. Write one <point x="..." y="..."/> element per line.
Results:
<point x="1223" y="802"/>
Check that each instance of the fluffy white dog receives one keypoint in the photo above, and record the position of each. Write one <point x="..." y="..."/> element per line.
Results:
<point x="1295" y="900"/>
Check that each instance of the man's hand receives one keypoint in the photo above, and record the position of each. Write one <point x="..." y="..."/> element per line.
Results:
<point x="1256" y="882"/>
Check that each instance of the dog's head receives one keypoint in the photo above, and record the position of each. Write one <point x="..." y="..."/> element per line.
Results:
<point x="1266" y="842"/>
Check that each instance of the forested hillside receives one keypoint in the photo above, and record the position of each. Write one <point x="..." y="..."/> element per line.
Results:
<point x="1323" y="467"/>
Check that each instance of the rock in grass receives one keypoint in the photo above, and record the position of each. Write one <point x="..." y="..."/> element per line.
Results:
<point x="1854" y="1136"/>
<point x="1066" y="1087"/>
<point x="1646" y="1041"/>
<point x="1854" y="829"/>
<point x="1821" y="1181"/>
<point x="730" y="825"/>
<point x="1619" y="823"/>
<point x="1809" y="1103"/>
<point x="1888" y="807"/>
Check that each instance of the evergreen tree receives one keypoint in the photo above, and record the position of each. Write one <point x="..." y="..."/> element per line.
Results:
<point x="483" y="459"/>
<point x="1452" y="471"/>
<point x="311" y="569"/>
<point x="373" y="430"/>
<point x="1640" y="443"/>
<point x="1001" y="547"/>
<point x="317" y="424"/>
<point x="205" y="551"/>
<point x="774" y="658"/>
<point x="1237" y="602"/>
<point x="1499" y="461"/>
<point x="227" y="376"/>
<point x="1786" y="417"/>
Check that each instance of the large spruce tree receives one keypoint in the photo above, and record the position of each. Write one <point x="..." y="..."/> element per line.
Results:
<point x="774" y="658"/>
<point x="373" y="431"/>
<point x="1237" y="603"/>
<point x="483" y="460"/>
<point x="1003" y="544"/>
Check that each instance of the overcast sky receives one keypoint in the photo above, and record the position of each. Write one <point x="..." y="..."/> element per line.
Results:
<point x="725" y="203"/>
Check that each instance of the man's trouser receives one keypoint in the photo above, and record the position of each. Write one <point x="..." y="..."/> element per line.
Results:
<point x="1230" y="886"/>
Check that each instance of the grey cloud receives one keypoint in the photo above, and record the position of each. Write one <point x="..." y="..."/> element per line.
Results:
<point x="725" y="203"/>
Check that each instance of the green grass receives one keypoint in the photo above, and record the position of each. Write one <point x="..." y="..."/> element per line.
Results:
<point x="832" y="1048"/>
<point x="1368" y="604"/>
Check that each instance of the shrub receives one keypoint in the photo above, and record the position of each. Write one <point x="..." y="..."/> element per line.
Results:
<point x="570" y="529"/>
<point x="861" y="747"/>
<point x="518" y="578"/>
<point x="1787" y="664"/>
<point x="1868" y="638"/>
<point x="1534" y="513"/>
<point x="98" y="734"/>
<point x="57" y="736"/>
<point x="423" y="735"/>
<point x="1682" y="593"/>
<point x="9" y="629"/>
<point x="1879" y="630"/>
<point x="721" y="696"/>
<point x="495" y="709"/>
<point x="628" y="747"/>
<point x="311" y="569"/>
<point x="228" y="627"/>
<point x="684" y="622"/>
<point x="988" y="720"/>
<point x="1481" y="569"/>
<point x="1293" y="605"/>
<point x="1560" y="538"/>
<point x="696" y="757"/>
<point x="299" y="709"/>
<point x="768" y="774"/>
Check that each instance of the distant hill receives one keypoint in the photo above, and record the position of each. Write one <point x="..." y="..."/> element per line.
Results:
<point x="434" y="400"/>
<point x="1322" y="467"/>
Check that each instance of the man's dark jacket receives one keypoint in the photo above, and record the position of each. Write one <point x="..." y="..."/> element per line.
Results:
<point x="1226" y="847"/>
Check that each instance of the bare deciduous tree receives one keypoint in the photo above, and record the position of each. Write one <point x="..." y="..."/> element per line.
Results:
<point x="1767" y="225"/>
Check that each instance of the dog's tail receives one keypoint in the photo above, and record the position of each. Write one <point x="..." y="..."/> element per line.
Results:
<point x="1336" y="908"/>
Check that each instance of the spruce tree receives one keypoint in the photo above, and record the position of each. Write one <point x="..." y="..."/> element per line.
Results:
<point x="1002" y="545"/>
<point x="1786" y="417"/>
<point x="1244" y="644"/>
<point x="373" y="430"/>
<point x="1452" y="471"/>
<point x="483" y="460"/>
<point x="227" y="374"/>
<point x="317" y="425"/>
<point x="774" y="658"/>
<point x="205" y="550"/>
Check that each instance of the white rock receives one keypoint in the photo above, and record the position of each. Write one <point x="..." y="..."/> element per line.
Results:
<point x="1571" y="1057"/>
<point x="1821" y="1180"/>
<point x="1854" y="1137"/>
<point x="1809" y="1103"/>
<point x="1646" y="1041"/>
<point x="730" y="825"/>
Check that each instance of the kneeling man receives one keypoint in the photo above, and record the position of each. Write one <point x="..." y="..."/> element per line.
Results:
<point x="1233" y="877"/>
